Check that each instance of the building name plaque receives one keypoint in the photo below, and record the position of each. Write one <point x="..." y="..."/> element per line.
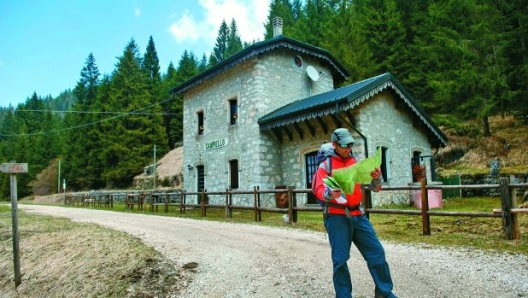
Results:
<point x="216" y="144"/>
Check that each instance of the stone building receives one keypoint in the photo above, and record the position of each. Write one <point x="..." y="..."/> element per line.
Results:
<point x="259" y="117"/>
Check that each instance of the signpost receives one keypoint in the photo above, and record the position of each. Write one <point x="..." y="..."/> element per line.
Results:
<point x="15" y="168"/>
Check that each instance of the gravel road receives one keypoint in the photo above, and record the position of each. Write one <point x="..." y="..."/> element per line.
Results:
<point x="239" y="260"/>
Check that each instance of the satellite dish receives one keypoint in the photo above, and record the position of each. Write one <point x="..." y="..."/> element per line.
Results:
<point x="312" y="73"/>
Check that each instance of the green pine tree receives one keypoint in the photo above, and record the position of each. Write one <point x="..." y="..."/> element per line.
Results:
<point x="220" y="49"/>
<point x="129" y="139"/>
<point x="234" y="43"/>
<point x="151" y="68"/>
<point x="80" y="123"/>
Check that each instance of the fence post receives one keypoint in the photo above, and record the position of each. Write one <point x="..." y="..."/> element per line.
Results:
<point x="230" y="203"/>
<point x="255" y="205"/>
<point x="227" y="213"/>
<point x="290" y="208"/>
<point x="426" y="222"/>
<point x="182" y="203"/>
<point x="258" y="204"/>
<point x="516" y="231"/>
<point x="509" y="219"/>
<point x="204" y="212"/>
<point x="293" y="202"/>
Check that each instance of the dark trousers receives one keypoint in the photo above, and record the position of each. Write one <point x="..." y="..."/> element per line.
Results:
<point x="342" y="231"/>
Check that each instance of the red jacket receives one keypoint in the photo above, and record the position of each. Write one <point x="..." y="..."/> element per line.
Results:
<point x="353" y="199"/>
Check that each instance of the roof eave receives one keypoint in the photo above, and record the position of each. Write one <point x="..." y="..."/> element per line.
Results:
<point x="354" y="99"/>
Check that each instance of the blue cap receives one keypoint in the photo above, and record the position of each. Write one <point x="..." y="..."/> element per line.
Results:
<point x="342" y="136"/>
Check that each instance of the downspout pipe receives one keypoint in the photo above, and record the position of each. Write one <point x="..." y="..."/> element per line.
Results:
<point x="353" y="128"/>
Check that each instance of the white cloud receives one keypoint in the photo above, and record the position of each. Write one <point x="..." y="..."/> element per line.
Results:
<point x="137" y="11"/>
<point x="185" y="28"/>
<point x="249" y="15"/>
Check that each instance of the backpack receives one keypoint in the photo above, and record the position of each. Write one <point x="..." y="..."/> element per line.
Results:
<point x="325" y="152"/>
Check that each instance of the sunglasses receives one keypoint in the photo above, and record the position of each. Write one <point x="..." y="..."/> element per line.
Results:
<point x="344" y="146"/>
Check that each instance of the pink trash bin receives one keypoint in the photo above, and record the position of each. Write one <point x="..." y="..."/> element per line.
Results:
<point x="434" y="195"/>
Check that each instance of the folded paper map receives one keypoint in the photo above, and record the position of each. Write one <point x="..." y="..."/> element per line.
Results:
<point x="357" y="173"/>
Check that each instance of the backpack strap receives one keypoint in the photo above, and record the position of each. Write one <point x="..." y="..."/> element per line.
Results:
<point x="328" y="165"/>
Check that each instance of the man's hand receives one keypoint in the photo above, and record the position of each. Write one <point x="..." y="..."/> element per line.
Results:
<point x="376" y="174"/>
<point x="375" y="185"/>
<point x="335" y="192"/>
<point x="337" y="195"/>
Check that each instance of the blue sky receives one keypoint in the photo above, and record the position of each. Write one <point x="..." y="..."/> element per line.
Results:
<point x="44" y="44"/>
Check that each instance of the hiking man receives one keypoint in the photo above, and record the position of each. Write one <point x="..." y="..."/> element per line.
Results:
<point x="345" y="222"/>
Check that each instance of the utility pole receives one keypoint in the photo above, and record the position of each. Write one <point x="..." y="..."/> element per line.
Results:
<point x="58" y="180"/>
<point x="154" y="167"/>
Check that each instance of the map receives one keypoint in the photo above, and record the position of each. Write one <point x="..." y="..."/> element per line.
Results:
<point x="357" y="173"/>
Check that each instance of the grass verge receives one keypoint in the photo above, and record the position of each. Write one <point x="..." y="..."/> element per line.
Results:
<point x="64" y="259"/>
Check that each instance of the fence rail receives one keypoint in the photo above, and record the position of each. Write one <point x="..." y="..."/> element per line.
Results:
<point x="508" y="212"/>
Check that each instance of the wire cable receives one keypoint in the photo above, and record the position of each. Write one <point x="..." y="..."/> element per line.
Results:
<point x="122" y="114"/>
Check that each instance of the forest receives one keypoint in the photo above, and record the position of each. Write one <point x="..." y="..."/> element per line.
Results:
<point x="460" y="59"/>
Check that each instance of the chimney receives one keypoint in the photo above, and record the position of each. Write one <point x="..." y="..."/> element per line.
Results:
<point x="277" y="26"/>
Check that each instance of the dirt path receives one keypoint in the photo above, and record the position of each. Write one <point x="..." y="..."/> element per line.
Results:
<point x="238" y="260"/>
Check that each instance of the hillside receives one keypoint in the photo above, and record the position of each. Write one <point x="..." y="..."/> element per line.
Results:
<point x="169" y="170"/>
<point x="469" y="151"/>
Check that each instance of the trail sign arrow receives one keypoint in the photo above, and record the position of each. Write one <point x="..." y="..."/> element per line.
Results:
<point x="14" y="168"/>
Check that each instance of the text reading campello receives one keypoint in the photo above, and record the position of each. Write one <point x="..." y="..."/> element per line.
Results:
<point x="216" y="144"/>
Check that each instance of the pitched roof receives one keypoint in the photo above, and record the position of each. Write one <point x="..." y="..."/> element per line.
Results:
<point x="346" y="98"/>
<point x="268" y="45"/>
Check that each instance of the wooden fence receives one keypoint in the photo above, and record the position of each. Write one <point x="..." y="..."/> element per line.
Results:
<point x="508" y="211"/>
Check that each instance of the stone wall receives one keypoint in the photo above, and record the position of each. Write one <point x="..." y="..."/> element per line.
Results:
<point x="260" y="85"/>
